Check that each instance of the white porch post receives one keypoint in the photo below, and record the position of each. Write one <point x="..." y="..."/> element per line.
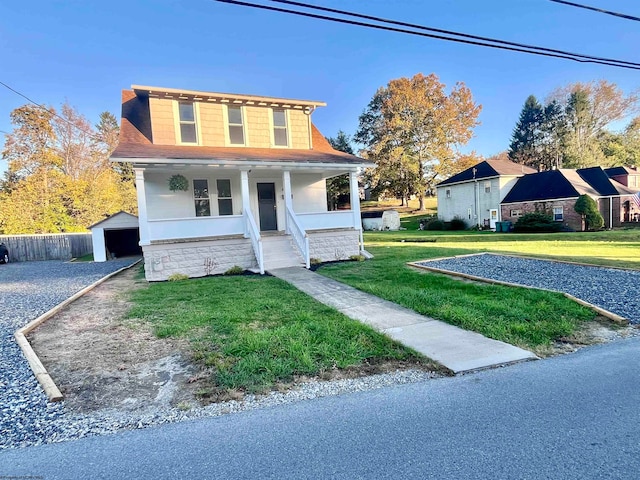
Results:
<point x="286" y="182"/>
<point x="246" y="204"/>
<point x="355" y="204"/>
<point x="142" y="207"/>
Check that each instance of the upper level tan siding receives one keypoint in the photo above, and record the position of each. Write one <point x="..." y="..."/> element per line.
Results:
<point x="163" y="125"/>
<point x="212" y="124"/>
<point x="299" y="125"/>
<point x="257" y="127"/>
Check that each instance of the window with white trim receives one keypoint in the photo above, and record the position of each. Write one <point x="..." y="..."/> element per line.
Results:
<point x="187" y="119"/>
<point x="280" y="137"/>
<point x="447" y="193"/>
<point x="225" y="204"/>
<point x="558" y="214"/>
<point x="487" y="187"/>
<point x="236" y="125"/>
<point x="516" y="213"/>
<point x="201" y="198"/>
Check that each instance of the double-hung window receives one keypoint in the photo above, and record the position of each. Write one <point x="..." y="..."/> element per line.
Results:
<point x="280" y="127"/>
<point x="201" y="198"/>
<point x="225" y="205"/>
<point x="447" y="193"/>
<point x="187" y="116"/>
<point x="236" y="125"/>
<point x="558" y="214"/>
<point x="487" y="187"/>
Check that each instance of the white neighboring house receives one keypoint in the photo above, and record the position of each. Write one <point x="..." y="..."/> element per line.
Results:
<point x="474" y="194"/>
<point x="252" y="177"/>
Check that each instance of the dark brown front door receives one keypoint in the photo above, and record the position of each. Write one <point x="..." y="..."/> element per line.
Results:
<point x="267" y="206"/>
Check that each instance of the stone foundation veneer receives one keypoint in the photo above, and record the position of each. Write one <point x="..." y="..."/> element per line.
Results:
<point x="328" y="246"/>
<point x="196" y="258"/>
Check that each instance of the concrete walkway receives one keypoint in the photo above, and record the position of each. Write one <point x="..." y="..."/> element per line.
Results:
<point x="457" y="349"/>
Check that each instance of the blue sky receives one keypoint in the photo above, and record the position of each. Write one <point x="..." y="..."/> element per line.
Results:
<point x="86" y="52"/>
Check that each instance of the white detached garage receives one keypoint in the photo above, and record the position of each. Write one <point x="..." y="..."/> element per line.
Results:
<point x="115" y="237"/>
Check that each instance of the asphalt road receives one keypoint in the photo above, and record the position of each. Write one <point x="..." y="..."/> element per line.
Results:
<point x="571" y="417"/>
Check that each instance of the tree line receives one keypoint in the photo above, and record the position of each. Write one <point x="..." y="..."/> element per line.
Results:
<point x="59" y="178"/>
<point x="572" y="129"/>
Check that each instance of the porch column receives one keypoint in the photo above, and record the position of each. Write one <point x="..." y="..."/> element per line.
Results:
<point x="355" y="204"/>
<point x="142" y="207"/>
<point x="286" y="182"/>
<point x="246" y="204"/>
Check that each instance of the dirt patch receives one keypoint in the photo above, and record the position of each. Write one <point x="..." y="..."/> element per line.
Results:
<point x="99" y="360"/>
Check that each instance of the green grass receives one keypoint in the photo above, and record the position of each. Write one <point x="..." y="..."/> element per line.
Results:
<point x="255" y="332"/>
<point x="85" y="258"/>
<point x="529" y="318"/>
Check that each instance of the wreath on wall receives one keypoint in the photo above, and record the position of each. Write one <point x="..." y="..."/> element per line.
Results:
<point x="178" y="182"/>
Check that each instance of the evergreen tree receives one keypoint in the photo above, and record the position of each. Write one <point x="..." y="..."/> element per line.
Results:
<point x="526" y="140"/>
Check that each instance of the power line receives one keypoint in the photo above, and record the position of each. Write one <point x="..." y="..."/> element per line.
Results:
<point x="89" y="134"/>
<point x="447" y="32"/>
<point x="526" y="49"/>
<point x="599" y="10"/>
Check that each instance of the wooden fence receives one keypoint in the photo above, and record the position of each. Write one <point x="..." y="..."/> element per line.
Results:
<point x="54" y="246"/>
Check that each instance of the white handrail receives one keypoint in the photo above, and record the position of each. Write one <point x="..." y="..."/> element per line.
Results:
<point x="256" y="239"/>
<point x="299" y="235"/>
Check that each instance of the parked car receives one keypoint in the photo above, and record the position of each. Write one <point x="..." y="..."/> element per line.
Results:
<point x="4" y="253"/>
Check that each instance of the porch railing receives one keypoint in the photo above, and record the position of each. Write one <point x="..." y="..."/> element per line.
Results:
<point x="299" y="236"/>
<point x="327" y="220"/>
<point x="196" y="227"/>
<point x="252" y="232"/>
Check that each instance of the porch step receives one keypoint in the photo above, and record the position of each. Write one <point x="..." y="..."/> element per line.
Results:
<point x="279" y="252"/>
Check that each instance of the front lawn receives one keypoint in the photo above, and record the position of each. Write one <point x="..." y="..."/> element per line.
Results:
<point x="520" y="316"/>
<point x="252" y="333"/>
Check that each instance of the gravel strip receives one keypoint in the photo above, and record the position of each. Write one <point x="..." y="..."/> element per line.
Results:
<point x="612" y="289"/>
<point x="27" y="290"/>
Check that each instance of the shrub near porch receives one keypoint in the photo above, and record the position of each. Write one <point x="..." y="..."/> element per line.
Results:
<point x="252" y="333"/>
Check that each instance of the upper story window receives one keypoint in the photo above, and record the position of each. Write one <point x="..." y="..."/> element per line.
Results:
<point x="187" y="116"/>
<point x="236" y="125"/>
<point x="201" y="198"/>
<point x="280" y="138"/>
<point x="447" y="193"/>
<point x="487" y="187"/>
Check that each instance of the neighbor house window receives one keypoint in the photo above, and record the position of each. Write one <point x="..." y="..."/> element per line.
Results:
<point x="225" y="206"/>
<point x="557" y="214"/>
<point x="487" y="187"/>
<point x="187" y="122"/>
<point x="236" y="125"/>
<point x="516" y="213"/>
<point x="280" y="127"/>
<point x="201" y="198"/>
<point x="447" y="193"/>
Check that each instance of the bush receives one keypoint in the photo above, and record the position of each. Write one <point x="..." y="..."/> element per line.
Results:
<point x="537" y="223"/>
<point x="457" y="224"/>
<point x="235" y="270"/>
<point x="176" y="277"/>
<point x="435" y="225"/>
<point x="315" y="261"/>
<point x="588" y="208"/>
<point x="357" y="258"/>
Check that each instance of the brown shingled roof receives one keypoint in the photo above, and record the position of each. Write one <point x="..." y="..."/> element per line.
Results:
<point x="136" y="142"/>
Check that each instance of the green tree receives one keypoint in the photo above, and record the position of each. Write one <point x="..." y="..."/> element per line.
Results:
<point x="338" y="187"/>
<point x="411" y="129"/>
<point x="588" y="209"/>
<point x="526" y="140"/>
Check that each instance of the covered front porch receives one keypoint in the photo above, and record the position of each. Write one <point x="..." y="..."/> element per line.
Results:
<point x="230" y="216"/>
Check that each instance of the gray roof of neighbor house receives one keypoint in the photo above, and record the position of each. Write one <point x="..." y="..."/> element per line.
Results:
<point x="136" y="142"/>
<point x="564" y="183"/>
<point x="488" y="169"/>
<point x="618" y="171"/>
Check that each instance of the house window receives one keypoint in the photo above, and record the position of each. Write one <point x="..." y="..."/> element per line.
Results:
<point x="225" y="205"/>
<point x="187" y="122"/>
<point x="236" y="126"/>
<point x="201" y="198"/>
<point x="487" y="187"/>
<point x="516" y="213"/>
<point x="447" y="193"/>
<point x="469" y="213"/>
<point x="557" y="214"/>
<point x="280" y="127"/>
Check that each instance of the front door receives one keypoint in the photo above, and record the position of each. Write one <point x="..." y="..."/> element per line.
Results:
<point x="267" y="206"/>
<point x="493" y="218"/>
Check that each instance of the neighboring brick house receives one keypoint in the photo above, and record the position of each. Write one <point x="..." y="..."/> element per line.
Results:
<point x="630" y="178"/>
<point x="555" y="192"/>
<point x="248" y="176"/>
<point x="475" y="193"/>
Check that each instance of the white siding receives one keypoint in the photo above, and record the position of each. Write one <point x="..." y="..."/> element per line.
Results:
<point x="309" y="193"/>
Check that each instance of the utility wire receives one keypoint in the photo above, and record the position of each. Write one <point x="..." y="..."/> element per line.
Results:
<point x="531" y="50"/>
<point x="447" y="32"/>
<point x="599" y="10"/>
<point x="89" y="134"/>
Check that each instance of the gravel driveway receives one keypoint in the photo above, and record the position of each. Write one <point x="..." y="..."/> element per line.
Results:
<point x="28" y="290"/>
<point x="612" y="289"/>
